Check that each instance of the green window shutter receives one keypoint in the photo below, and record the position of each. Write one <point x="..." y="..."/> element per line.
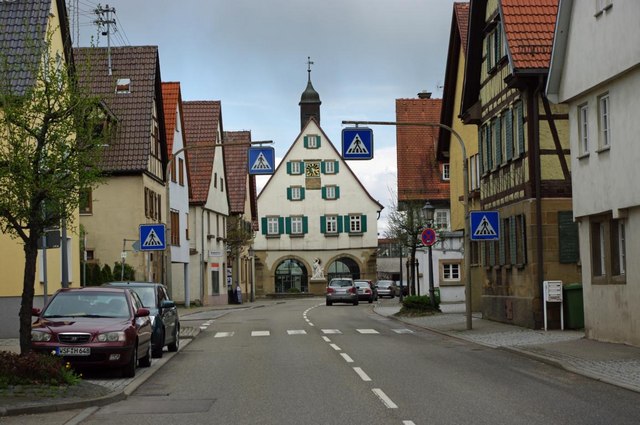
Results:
<point x="509" y="134"/>
<point x="335" y="166"/>
<point x="480" y="149"/>
<point x="288" y="167"/>
<point x="498" y="133"/>
<point x="513" y="248"/>
<point x="264" y="225"/>
<point x="489" y="150"/>
<point x="306" y="142"/>
<point x="305" y="224"/>
<point x="322" y="168"/>
<point x="318" y="140"/>
<point x="289" y="193"/>
<point x="340" y="226"/>
<point x="347" y="228"/>
<point x="488" y="49"/>
<point x="337" y="192"/>
<point x="287" y="225"/>
<point x="281" y="225"/>
<point x="302" y="193"/>
<point x="501" y="247"/>
<point x="323" y="224"/>
<point x="324" y="192"/>
<point x="520" y="118"/>
<point x="363" y="223"/>
<point x="569" y="248"/>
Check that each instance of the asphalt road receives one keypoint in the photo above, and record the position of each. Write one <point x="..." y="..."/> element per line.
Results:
<point x="301" y="362"/>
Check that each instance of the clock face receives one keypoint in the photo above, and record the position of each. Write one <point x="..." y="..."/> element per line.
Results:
<point x="312" y="169"/>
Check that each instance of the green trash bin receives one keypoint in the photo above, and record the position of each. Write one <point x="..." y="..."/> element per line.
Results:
<point x="573" y="306"/>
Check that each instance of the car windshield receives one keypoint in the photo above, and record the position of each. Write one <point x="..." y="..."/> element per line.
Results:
<point x="362" y="284"/>
<point x="341" y="283"/>
<point x="94" y="304"/>
<point x="146" y="294"/>
<point x="384" y="284"/>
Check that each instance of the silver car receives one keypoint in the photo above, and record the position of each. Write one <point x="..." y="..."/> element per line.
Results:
<point x="342" y="290"/>
<point x="386" y="288"/>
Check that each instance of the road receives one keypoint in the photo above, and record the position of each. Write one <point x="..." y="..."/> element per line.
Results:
<point x="301" y="362"/>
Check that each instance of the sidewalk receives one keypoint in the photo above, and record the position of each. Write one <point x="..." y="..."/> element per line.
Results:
<point x="615" y="364"/>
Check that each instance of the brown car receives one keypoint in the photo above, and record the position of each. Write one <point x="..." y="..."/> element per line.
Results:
<point x="95" y="327"/>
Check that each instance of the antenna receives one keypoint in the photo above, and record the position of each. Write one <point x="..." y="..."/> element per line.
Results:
<point x="106" y="11"/>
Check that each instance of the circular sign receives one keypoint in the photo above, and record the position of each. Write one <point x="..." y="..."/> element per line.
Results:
<point x="428" y="237"/>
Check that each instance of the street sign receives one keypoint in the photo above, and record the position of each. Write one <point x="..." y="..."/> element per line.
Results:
<point x="357" y="143"/>
<point x="262" y="160"/>
<point x="485" y="225"/>
<point x="152" y="237"/>
<point x="429" y="237"/>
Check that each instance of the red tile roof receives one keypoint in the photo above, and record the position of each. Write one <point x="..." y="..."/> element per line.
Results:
<point x="461" y="11"/>
<point x="235" y="162"/>
<point x="201" y="121"/>
<point x="419" y="176"/>
<point x="170" y="98"/>
<point x="129" y="148"/>
<point x="529" y="26"/>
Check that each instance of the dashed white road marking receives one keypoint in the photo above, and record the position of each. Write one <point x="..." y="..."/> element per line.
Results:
<point x="361" y="374"/>
<point x="335" y="347"/>
<point x="331" y="331"/>
<point x="408" y="423"/>
<point x="367" y="331"/>
<point x="326" y="339"/>
<point x="403" y="331"/>
<point x="223" y="334"/>
<point x="260" y="333"/>
<point x="384" y="398"/>
<point x="346" y="357"/>
<point x="297" y="332"/>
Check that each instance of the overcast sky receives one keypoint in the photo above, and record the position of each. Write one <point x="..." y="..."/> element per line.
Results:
<point x="252" y="56"/>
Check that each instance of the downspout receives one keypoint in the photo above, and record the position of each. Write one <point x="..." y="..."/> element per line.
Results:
<point x="202" y="266"/>
<point x="538" y="188"/>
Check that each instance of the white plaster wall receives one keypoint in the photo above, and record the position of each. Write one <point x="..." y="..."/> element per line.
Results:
<point x="179" y="196"/>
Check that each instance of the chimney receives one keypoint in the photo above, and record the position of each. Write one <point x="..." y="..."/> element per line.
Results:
<point x="424" y="95"/>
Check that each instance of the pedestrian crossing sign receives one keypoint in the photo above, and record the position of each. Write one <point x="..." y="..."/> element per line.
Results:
<point x="152" y="237"/>
<point x="485" y="225"/>
<point x="357" y="143"/>
<point x="261" y="160"/>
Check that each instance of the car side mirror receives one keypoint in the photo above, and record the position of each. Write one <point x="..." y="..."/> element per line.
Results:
<point x="142" y="312"/>
<point x="167" y="304"/>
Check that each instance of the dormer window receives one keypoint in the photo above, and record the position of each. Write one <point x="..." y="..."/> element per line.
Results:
<point x="123" y="85"/>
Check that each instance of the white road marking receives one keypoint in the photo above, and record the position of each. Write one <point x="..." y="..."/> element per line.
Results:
<point x="311" y="324"/>
<point x="203" y="327"/>
<point x="403" y="331"/>
<point x="367" y="331"/>
<point x="331" y="331"/>
<point x="326" y="339"/>
<point x="383" y="397"/>
<point x="361" y="374"/>
<point x="297" y="332"/>
<point x="346" y="357"/>
<point x="335" y="347"/>
<point x="408" y="423"/>
<point x="223" y="334"/>
<point x="260" y="333"/>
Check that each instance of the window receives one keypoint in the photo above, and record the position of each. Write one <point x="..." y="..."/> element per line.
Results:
<point x="86" y="201"/>
<point x="451" y="271"/>
<point x="441" y="219"/>
<point x="355" y="224"/>
<point x="330" y="192"/>
<point x="312" y="141"/>
<point x="175" y="228"/>
<point x="272" y="226"/>
<point x="446" y="172"/>
<point x="604" y="123"/>
<point x="295" y="193"/>
<point x="518" y="129"/>
<point x="330" y="167"/>
<point x="186" y="227"/>
<point x="172" y="171"/>
<point x="608" y="250"/>
<point x="583" y="129"/>
<point x="294" y="167"/>
<point x="331" y="224"/>
<point x="181" y="171"/>
<point x="296" y="225"/>
<point x="494" y="47"/>
<point x="496" y="134"/>
<point x="474" y="172"/>
<point x="505" y="154"/>
<point x="152" y="204"/>
<point x="520" y="240"/>
<point x="123" y="85"/>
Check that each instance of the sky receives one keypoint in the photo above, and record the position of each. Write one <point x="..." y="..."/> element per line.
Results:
<point x="252" y="56"/>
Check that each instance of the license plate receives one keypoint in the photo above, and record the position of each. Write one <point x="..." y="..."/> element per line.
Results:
<point x="74" y="351"/>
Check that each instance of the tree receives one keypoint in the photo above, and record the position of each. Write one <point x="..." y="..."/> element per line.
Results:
<point x="405" y="224"/>
<point x="51" y="136"/>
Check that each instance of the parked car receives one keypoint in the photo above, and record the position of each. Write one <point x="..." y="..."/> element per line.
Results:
<point x="95" y="327"/>
<point x="163" y="313"/>
<point x="386" y="288"/>
<point x="366" y="290"/>
<point x="404" y="289"/>
<point x="342" y="290"/>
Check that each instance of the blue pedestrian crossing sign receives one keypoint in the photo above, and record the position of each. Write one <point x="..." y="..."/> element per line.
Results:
<point x="152" y="237"/>
<point x="485" y="225"/>
<point x="357" y="143"/>
<point x="262" y="160"/>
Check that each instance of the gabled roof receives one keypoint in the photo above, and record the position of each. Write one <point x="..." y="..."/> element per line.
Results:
<point x="236" y="156"/>
<point x="457" y="43"/>
<point x="419" y="176"/>
<point x="129" y="149"/>
<point x="171" y="98"/>
<point x="23" y="26"/>
<point x="201" y="120"/>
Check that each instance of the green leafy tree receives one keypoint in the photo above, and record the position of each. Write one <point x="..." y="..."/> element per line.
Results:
<point x="49" y="153"/>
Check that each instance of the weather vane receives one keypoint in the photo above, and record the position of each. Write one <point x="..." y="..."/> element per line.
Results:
<point x="309" y="63"/>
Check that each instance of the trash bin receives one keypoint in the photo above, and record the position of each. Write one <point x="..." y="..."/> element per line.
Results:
<point x="573" y="306"/>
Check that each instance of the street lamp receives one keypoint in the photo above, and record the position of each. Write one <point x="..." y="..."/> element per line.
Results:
<point x="428" y="211"/>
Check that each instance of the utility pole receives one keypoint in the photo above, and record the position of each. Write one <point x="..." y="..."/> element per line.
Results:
<point x="106" y="21"/>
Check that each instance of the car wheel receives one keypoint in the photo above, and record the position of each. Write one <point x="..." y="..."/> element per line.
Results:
<point x="329" y="303"/>
<point x="146" y="360"/>
<point x="156" y="350"/>
<point x="370" y="300"/>
<point x="129" y="371"/>
<point x="173" y="347"/>
<point x="356" y="302"/>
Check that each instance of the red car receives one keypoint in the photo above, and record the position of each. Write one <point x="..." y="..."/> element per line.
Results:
<point x="95" y="327"/>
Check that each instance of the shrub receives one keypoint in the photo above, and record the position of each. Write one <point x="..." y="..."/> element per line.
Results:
<point x="129" y="272"/>
<point x="294" y="290"/>
<point x="107" y="275"/>
<point x="419" y="302"/>
<point x="34" y="368"/>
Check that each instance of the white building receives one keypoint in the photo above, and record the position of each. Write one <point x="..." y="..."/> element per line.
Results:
<point x="594" y="70"/>
<point x="313" y="210"/>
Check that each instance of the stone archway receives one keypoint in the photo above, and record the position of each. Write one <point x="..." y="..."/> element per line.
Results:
<point x="291" y="273"/>
<point x="343" y="267"/>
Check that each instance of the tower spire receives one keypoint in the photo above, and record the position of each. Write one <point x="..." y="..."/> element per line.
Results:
<point x="309" y="63"/>
<point x="310" y="100"/>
